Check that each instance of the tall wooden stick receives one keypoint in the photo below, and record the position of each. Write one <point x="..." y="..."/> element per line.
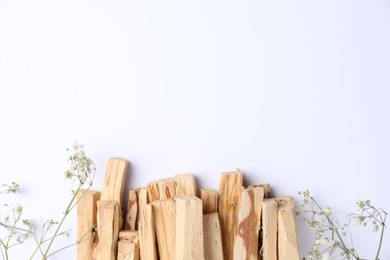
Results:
<point x="147" y="236"/>
<point x="270" y="229"/>
<point x="229" y="197"/>
<point x="209" y="200"/>
<point x="247" y="233"/>
<point x="287" y="234"/>
<point x="185" y="185"/>
<point x="108" y="220"/>
<point x="212" y="237"/>
<point x="132" y="211"/>
<point x="188" y="228"/>
<point x="86" y="218"/>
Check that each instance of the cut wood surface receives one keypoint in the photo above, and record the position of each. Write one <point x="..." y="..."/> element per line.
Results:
<point x="249" y="215"/>
<point x="146" y="235"/>
<point x="108" y="230"/>
<point x="161" y="189"/>
<point x="188" y="228"/>
<point x="270" y="229"/>
<point x="229" y="197"/>
<point x="132" y="210"/>
<point x="287" y="234"/>
<point x="142" y="200"/>
<point x="128" y="235"/>
<point x="212" y="237"/>
<point x="185" y="185"/>
<point x="163" y="215"/>
<point x="284" y="201"/>
<point x="266" y="187"/>
<point x="128" y="250"/>
<point x="86" y="222"/>
<point x="114" y="181"/>
<point x="209" y="200"/>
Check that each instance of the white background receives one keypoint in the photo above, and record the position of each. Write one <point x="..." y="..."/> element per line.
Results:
<point x="294" y="93"/>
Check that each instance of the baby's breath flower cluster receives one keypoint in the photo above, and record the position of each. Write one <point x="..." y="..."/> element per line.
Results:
<point x="14" y="229"/>
<point x="329" y="234"/>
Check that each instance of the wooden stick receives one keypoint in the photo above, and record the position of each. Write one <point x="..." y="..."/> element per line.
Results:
<point x="266" y="187"/>
<point x="209" y="200"/>
<point x="212" y="237"/>
<point x="142" y="200"/>
<point x="270" y="229"/>
<point x="161" y="189"/>
<point x="86" y="218"/>
<point x="247" y="234"/>
<point x="128" y="245"/>
<point x="108" y="230"/>
<point x="147" y="236"/>
<point x="229" y="197"/>
<point x="287" y="234"/>
<point x="188" y="228"/>
<point x="284" y="201"/>
<point x="128" y="250"/>
<point x="163" y="212"/>
<point x="114" y="183"/>
<point x="185" y="185"/>
<point x="132" y="208"/>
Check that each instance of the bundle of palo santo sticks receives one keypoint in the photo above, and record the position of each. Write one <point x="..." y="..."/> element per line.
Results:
<point x="171" y="219"/>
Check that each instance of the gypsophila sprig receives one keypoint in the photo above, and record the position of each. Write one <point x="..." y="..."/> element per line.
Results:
<point x="81" y="172"/>
<point x="14" y="229"/>
<point x="329" y="234"/>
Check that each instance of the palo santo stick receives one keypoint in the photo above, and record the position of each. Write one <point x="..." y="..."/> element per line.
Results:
<point x="108" y="230"/>
<point x="248" y="226"/>
<point x="128" y="245"/>
<point x="229" y="197"/>
<point x="142" y="200"/>
<point x="132" y="208"/>
<point x="266" y="187"/>
<point x="284" y="201"/>
<point x="86" y="218"/>
<point x="147" y="236"/>
<point x="128" y="235"/>
<point x="209" y="200"/>
<point x="163" y="214"/>
<point x="128" y="250"/>
<point x="114" y="183"/>
<point x="287" y="234"/>
<point x="270" y="229"/>
<point x="161" y="189"/>
<point x="188" y="228"/>
<point x="212" y="238"/>
<point x="185" y="185"/>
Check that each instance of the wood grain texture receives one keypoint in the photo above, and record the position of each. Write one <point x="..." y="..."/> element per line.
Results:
<point x="212" y="237"/>
<point x="287" y="234"/>
<point x="188" y="228"/>
<point x="266" y="187"/>
<point x="209" y="200"/>
<point x="147" y="235"/>
<point x="86" y="223"/>
<point x="108" y="230"/>
<point x="249" y="215"/>
<point x="229" y="197"/>
<point x="284" y="201"/>
<point x="161" y="189"/>
<point x="132" y="210"/>
<point x="163" y="212"/>
<point x="270" y="229"/>
<point x="142" y="200"/>
<point x="128" y="250"/>
<point x="185" y="185"/>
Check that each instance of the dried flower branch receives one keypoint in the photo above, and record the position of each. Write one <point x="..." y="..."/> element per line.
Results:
<point x="81" y="172"/>
<point x="329" y="234"/>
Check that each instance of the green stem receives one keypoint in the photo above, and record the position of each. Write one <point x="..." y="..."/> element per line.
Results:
<point x="62" y="220"/>
<point x="380" y="241"/>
